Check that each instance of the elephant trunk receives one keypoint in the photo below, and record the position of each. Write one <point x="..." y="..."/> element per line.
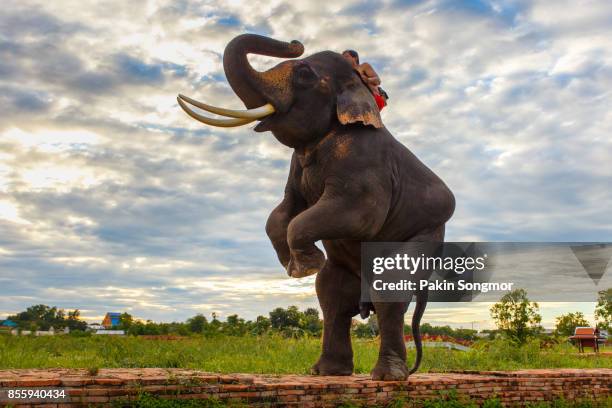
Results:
<point x="256" y="88"/>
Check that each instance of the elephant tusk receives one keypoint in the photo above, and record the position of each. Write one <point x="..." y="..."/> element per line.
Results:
<point x="211" y="121"/>
<point x="255" y="113"/>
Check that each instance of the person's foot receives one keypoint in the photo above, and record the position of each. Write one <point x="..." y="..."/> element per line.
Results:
<point x="305" y="262"/>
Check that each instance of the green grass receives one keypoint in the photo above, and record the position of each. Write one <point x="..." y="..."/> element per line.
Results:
<point x="265" y="354"/>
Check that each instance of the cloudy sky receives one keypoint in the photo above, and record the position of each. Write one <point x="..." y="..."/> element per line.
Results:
<point x="112" y="199"/>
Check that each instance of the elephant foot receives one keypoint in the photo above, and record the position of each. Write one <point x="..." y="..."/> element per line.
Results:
<point x="390" y="369"/>
<point x="332" y="367"/>
<point x="305" y="262"/>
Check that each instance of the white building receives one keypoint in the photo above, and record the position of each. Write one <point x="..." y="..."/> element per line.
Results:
<point x="110" y="332"/>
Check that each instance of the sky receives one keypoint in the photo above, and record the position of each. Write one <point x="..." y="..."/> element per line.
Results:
<point x="112" y="199"/>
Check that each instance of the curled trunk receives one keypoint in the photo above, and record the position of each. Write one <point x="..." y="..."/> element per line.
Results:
<point x="256" y="88"/>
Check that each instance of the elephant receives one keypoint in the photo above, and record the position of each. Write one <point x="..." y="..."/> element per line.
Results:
<point x="350" y="181"/>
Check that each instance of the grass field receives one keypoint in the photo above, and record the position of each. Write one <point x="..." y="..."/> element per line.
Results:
<point x="265" y="354"/>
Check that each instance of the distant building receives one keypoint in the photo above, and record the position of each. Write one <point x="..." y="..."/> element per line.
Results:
<point x="8" y="323"/>
<point x="111" y="320"/>
<point x="587" y="337"/>
<point x="95" y="326"/>
<point x="49" y="332"/>
<point x="111" y="332"/>
<point x="7" y="326"/>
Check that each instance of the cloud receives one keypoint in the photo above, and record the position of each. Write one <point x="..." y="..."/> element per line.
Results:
<point x="13" y="99"/>
<point x="133" y="70"/>
<point x="112" y="199"/>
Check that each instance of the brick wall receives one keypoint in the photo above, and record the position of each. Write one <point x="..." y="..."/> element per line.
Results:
<point x="512" y="387"/>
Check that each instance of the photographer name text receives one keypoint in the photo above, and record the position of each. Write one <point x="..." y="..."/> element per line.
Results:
<point x="409" y="285"/>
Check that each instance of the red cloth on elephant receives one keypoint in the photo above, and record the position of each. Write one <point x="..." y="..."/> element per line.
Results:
<point x="380" y="101"/>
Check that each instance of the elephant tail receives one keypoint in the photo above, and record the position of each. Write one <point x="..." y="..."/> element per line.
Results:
<point x="419" y="309"/>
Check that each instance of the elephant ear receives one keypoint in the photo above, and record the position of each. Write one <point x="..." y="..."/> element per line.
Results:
<point x="355" y="103"/>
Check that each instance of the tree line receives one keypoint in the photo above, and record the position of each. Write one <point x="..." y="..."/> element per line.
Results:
<point x="515" y="316"/>
<point x="289" y="322"/>
<point x="43" y="317"/>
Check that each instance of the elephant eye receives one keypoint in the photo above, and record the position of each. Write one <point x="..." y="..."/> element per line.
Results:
<point x="305" y="76"/>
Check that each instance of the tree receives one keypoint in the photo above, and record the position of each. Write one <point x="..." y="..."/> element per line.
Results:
<point x="213" y="328"/>
<point x="311" y="322"/>
<point x="197" y="323"/>
<point x="603" y="310"/>
<point x="362" y="330"/>
<point x="516" y="316"/>
<point x="491" y="334"/>
<point x="367" y="329"/>
<point x="311" y="312"/>
<point x="567" y="323"/>
<point x="293" y="323"/>
<point x="40" y="317"/>
<point x="260" y="326"/>
<point x="465" y="334"/>
<point x="281" y="318"/>
<point x="74" y="321"/>
<point x="125" y="321"/>
<point x="234" y="326"/>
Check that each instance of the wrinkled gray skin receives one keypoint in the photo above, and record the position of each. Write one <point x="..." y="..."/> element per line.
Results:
<point x="350" y="181"/>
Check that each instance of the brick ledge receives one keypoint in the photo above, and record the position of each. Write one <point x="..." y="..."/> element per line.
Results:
<point x="511" y="387"/>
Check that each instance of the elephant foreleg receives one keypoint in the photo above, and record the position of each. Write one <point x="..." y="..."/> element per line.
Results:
<point x="337" y="215"/>
<point x="338" y="291"/>
<point x="276" y="228"/>
<point x="281" y="216"/>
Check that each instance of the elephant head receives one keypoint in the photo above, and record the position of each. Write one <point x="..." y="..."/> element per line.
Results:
<point x="298" y="100"/>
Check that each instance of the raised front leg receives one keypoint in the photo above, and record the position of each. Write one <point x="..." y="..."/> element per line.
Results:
<point x="277" y="225"/>
<point x="352" y="209"/>
<point x="281" y="216"/>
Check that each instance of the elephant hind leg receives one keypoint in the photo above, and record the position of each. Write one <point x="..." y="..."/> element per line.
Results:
<point x="435" y="235"/>
<point x="391" y="363"/>
<point x="338" y="291"/>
